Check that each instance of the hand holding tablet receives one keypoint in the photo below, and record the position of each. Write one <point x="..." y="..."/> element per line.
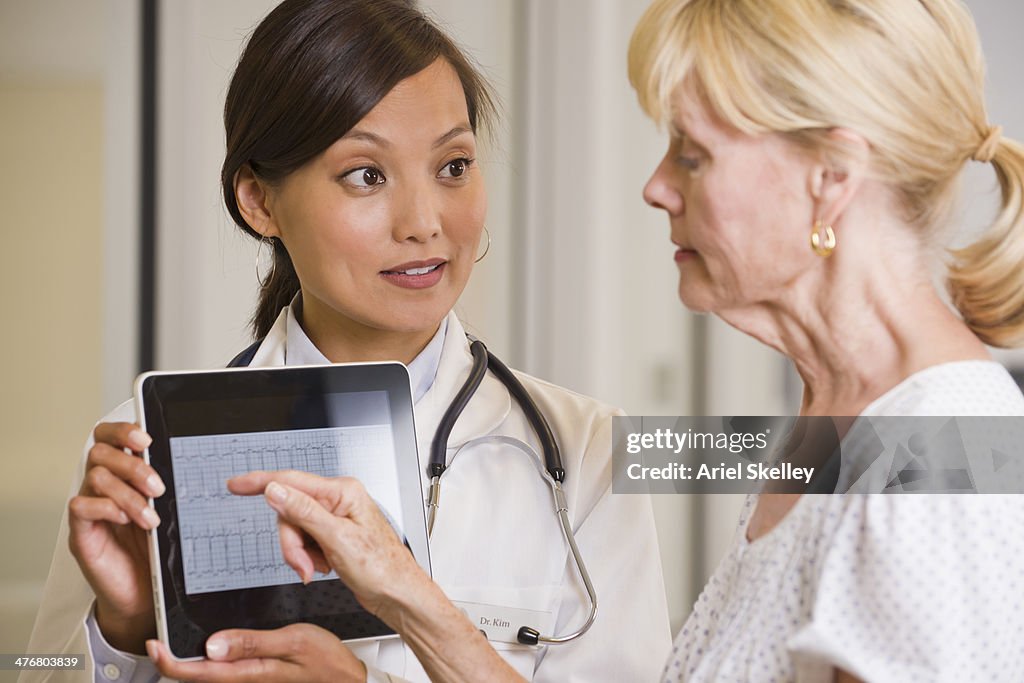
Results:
<point x="299" y="653"/>
<point x="216" y="558"/>
<point x="107" y="524"/>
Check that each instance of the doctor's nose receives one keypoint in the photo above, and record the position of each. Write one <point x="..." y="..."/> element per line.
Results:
<point x="419" y="219"/>
<point x="661" y="194"/>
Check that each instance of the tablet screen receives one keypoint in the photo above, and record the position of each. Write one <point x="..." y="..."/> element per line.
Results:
<point x="219" y="554"/>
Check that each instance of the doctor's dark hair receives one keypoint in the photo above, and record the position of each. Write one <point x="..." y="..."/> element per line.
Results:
<point x="311" y="70"/>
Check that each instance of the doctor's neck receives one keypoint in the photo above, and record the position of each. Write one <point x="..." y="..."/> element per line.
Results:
<point x="344" y="340"/>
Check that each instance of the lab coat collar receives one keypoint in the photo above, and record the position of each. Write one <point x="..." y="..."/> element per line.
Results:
<point x="271" y="351"/>
<point x="485" y="412"/>
<point x="488" y="408"/>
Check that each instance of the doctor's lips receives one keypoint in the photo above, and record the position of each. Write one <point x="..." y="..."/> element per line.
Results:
<point x="416" y="274"/>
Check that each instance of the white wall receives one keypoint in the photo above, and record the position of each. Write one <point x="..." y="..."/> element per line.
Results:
<point x="51" y="232"/>
<point x="206" y="284"/>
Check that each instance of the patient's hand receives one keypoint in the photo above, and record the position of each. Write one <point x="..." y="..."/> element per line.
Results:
<point x="334" y="524"/>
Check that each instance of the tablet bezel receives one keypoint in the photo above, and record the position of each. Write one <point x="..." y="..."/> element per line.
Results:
<point x="156" y="391"/>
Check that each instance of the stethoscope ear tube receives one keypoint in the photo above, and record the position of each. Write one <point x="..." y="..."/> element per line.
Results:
<point x="552" y="456"/>
<point x="439" y="446"/>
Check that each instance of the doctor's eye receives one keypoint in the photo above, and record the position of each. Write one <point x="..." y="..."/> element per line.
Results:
<point x="364" y="177"/>
<point x="456" y="168"/>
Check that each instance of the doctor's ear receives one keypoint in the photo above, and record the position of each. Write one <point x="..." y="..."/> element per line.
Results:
<point x="253" y="198"/>
<point x="838" y="175"/>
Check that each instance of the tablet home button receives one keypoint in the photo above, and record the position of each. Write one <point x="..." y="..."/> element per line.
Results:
<point x="111" y="672"/>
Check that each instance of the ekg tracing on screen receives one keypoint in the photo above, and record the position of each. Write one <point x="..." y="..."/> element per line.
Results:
<point x="231" y="542"/>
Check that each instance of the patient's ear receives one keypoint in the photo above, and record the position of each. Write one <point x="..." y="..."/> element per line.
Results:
<point x="836" y="179"/>
<point x="253" y="198"/>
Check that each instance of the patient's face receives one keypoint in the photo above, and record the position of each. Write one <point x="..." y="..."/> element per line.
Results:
<point x="739" y="207"/>
<point x="383" y="227"/>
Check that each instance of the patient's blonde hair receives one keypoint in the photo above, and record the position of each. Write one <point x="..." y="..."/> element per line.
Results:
<point x="907" y="75"/>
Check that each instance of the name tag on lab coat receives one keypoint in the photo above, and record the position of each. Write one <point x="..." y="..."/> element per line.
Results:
<point x="502" y="624"/>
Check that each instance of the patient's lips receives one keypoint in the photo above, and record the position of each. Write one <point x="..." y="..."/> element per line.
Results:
<point x="684" y="253"/>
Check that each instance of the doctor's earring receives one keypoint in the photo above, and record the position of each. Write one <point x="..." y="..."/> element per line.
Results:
<point x="487" y="248"/>
<point x="823" y="239"/>
<point x="273" y="261"/>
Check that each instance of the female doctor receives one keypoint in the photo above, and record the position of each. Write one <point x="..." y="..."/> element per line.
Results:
<point x="351" y="153"/>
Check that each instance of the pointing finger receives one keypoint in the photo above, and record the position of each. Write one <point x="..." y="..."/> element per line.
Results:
<point x="301" y="511"/>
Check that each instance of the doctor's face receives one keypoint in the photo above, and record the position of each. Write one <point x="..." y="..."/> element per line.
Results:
<point x="383" y="226"/>
<point x="739" y="207"/>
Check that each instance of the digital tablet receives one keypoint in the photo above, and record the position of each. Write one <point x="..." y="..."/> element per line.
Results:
<point x="216" y="557"/>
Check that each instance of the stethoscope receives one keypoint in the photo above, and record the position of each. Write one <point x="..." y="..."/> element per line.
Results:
<point x="551" y="471"/>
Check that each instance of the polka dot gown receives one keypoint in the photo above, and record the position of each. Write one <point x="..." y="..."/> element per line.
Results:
<point x="887" y="587"/>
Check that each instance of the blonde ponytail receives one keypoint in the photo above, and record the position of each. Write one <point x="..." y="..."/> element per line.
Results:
<point x="986" y="279"/>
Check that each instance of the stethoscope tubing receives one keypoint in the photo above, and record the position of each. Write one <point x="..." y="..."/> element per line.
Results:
<point x="563" y="516"/>
<point x="527" y="635"/>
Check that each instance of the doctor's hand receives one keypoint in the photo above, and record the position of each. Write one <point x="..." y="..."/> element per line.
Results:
<point x="107" y="523"/>
<point x="333" y="523"/>
<point x="302" y="653"/>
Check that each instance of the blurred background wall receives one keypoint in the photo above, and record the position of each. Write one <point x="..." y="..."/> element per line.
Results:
<point x="578" y="287"/>
<point x="52" y="89"/>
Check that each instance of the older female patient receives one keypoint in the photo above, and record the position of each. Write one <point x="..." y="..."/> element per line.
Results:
<point x="815" y="148"/>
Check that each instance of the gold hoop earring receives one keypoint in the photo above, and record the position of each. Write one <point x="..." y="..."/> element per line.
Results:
<point x="487" y="248"/>
<point x="823" y="239"/>
<point x="273" y="261"/>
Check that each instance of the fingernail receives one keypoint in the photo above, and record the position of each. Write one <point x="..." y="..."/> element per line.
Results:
<point x="152" y="519"/>
<point x="152" y="650"/>
<point x="276" y="492"/>
<point x="155" y="486"/>
<point x="139" y="439"/>
<point x="216" y="648"/>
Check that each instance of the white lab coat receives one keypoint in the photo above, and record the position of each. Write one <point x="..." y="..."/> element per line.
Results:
<point x="496" y="539"/>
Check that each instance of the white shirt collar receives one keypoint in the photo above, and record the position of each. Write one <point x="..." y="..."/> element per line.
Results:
<point x="300" y="350"/>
